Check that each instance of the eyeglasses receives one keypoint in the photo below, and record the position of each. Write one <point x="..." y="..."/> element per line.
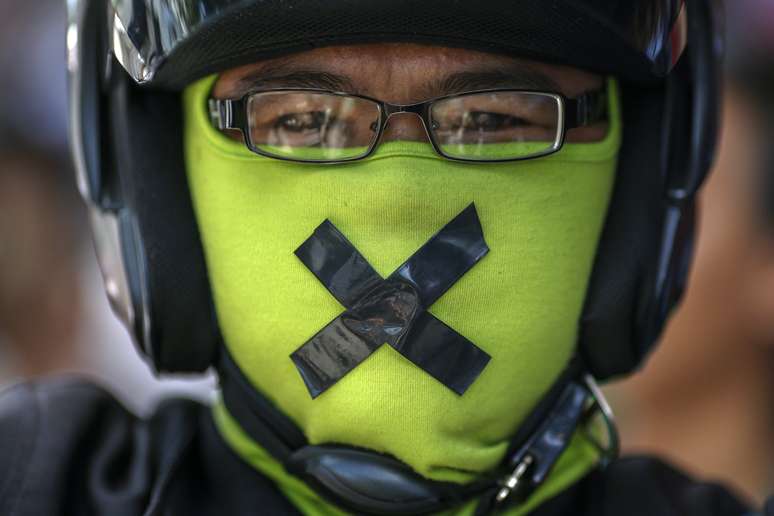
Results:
<point x="318" y="126"/>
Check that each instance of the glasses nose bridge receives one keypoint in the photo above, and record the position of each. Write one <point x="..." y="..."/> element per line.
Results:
<point x="396" y="109"/>
<point x="418" y="110"/>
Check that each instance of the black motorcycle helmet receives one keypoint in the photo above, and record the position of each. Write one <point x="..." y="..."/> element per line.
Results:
<point x="129" y="60"/>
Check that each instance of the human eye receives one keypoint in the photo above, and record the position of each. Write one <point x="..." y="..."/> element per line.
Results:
<point x="489" y="121"/>
<point x="302" y="122"/>
<point x="304" y="129"/>
<point x="496" y="117"/>
<point x="310" y="119"/>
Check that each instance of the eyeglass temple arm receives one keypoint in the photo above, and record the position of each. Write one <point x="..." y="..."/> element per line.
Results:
<point x="227" y="114"/>
<point x="587" y="109"/>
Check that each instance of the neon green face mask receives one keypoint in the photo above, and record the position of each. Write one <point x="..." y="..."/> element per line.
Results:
<point x="520" y="304"/>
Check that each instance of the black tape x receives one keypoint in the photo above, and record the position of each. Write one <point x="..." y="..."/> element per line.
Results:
<point x="394" y="310"/>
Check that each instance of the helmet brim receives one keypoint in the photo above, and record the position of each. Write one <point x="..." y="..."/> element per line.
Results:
<point x="169" y="43"/>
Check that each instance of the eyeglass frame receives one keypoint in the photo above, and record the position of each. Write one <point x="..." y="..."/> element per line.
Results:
<point x="575" y="112"/>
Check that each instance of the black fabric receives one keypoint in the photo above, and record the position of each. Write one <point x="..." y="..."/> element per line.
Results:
<point x="629" y="39"/>
<point x="257" y="416"/>
<point x="642" y="486"/>
<point x="612" y="337"/>
<point x="173" y="286"/>
<point x="68" y="448"/>
<point x="641" y="264"/>
<point x="668" y="145"/>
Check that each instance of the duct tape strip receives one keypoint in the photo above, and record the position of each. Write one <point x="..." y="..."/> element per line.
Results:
<point x="392" y="311"/>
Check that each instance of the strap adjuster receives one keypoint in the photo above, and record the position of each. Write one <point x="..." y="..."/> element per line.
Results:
<point x="533" y="463"/>
<point x="511" y="482"/>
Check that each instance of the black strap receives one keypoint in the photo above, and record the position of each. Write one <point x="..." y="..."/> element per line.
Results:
<point x="257" y="416"/>
<point x="544" y="435"/>
<point x="589" y="108"/>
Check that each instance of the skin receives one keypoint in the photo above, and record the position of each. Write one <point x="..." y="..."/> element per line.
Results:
<point x="724" y="330"/>
<point x="404" y="73"/>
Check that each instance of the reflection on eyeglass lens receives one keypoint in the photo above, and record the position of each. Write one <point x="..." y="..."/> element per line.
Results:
<point x="287" y="121"/>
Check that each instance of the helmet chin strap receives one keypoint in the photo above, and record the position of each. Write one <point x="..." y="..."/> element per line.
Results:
<point x="368" y="482"/>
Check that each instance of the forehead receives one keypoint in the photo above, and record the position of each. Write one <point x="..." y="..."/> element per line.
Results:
<point x="405" y="71"/>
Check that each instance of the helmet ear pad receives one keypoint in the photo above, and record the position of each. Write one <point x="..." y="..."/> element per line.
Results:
<point x="642" y="257"/>
<point x="621" y="283"/>
<point x="669" y="140"/>
<point x="175" y="317"/>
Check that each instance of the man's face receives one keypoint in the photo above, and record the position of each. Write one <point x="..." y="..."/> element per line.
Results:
<point x="402" y="73"/>
<point x="519" y="304"/>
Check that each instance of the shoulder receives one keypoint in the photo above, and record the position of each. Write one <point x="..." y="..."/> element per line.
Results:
<point x="39" y="423"/>
<point x="643" y="486"/>
<point x="646" y="485"/>
<point x="27" y="408"/>
<point x="60" y="438"/>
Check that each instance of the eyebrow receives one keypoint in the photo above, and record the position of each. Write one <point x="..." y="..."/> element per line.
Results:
<point x="458" y="82"/>
<point x="276" y="78"/>
<point x="521" y="78"/>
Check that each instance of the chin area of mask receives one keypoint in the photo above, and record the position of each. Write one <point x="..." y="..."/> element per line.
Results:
<point x="520" y="304"/>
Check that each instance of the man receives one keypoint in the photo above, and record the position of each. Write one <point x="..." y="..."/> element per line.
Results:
<point x="379" y="221"/>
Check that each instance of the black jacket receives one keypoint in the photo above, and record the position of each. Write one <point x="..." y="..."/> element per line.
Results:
<point x="69" y="448"/>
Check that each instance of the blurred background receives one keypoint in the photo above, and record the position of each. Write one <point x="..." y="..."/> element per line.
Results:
<point x="705" y="401"/>
<point x="54" y="315"/>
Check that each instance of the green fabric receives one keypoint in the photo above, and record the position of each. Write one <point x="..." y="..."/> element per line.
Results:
<point x="491" y="151"/>
<point x="495" y="151"/>
<point x="574" y="463"/>
<point x="315" y="153"/>
<point x="520" y="304"/>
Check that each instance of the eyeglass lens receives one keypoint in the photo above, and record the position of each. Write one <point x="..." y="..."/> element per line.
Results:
<point x="318" y="126"/>
<point x="496" y="125"/>
<point x="312" y="126"/>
